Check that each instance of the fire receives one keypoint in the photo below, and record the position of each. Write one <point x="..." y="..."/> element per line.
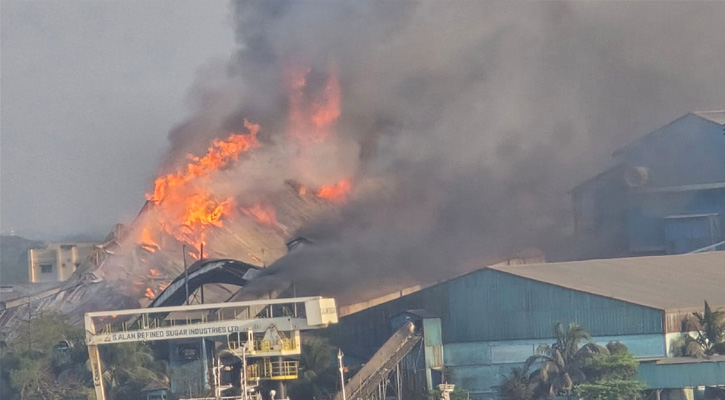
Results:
<point x="262" y="212"/>
<point x="219" y="155"/>
<point x="147" y="240"/>
<point x="327" y="110"/>
<point x="337" y="192"/>
<point x="149" y="293"/>
<point x="184" y="205"/>
<point x="313" y="113"/>
<point x="311" y="116"/>
<point x="153" y="272"/>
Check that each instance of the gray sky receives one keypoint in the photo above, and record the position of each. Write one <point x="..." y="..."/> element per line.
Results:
<point x="89" y="92"/>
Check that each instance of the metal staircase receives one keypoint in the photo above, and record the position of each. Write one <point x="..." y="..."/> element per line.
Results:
<point x="372" y="379"/>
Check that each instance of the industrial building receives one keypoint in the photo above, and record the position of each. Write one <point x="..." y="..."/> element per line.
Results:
<point x="56" y="262"/>
<point x="480" y="325"/>
<point x="664" y="194"/>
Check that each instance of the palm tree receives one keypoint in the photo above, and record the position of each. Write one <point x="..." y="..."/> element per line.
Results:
<point x="709" y="330"/>
<point x="562" y="362"/>
<point x="128" y="368"/>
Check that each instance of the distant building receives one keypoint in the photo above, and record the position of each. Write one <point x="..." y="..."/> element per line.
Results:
<point x="57" y="261"/>
<point x="479" y="326"/>
<point x="664" y="195"/>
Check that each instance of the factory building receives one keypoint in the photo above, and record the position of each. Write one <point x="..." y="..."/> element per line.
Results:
<point x="57" y="261"/>
<point x="664" y="194"/>
<point x="480" y="325"/>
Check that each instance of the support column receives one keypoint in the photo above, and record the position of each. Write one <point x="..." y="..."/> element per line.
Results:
<point x="95" y="358"/>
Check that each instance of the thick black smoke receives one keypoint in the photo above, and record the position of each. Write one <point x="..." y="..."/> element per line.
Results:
<point x="473" y="118"/>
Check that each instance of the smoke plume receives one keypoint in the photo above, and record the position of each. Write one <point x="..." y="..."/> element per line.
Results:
<point x="462" y="124"/>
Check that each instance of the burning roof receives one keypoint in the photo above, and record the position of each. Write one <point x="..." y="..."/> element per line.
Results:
<point x="201" y="207"/>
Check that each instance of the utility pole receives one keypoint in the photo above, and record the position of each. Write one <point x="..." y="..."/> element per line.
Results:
<point x="186" y="274"/>
<point x="342" y="373"/>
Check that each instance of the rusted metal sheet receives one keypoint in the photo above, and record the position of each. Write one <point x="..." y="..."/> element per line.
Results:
<point x="433" y="342"/>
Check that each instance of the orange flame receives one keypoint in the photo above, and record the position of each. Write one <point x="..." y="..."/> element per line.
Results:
<point x="311" y="115"/>
<point x="219" y="155"/>
<point x="147" y="240"/>
<point x="154" y="272"/>
<point x="149" y="293"/>
<point x="336" y="192"/>
<point x="185" y="207"/>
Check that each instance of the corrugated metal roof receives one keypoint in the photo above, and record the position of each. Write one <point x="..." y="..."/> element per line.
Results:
<point x="717" y="117"/>
<point x="661" y="282"/>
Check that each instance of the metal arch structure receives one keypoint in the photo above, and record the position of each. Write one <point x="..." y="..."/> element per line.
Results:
<point x="204" y="272"/>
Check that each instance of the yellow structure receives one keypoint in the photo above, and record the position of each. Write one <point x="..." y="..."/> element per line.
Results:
<point x="57" y="261"/>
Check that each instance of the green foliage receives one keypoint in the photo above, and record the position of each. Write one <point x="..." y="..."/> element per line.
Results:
<point x="616" y="347"/>
<point x="616" y="389"/>
<point x="519" y="385"/>
<point x="42" y="332"/>
<point x="709" y="337"/>
<point x="128" y="367"/>
<point x="611" y="367"/>
<point x="562" y="363"/>
<point x="48" y="361"/>
<point x="319" y="376"/>
<point x="34" y="366"/>
<point x="590" y="371"/>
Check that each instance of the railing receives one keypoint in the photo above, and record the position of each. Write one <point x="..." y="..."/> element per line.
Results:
<point x="265" y="346"/>
<point x="273" y="370"/>
<point x="163" y="317"/>
<point x="712" y="247"/>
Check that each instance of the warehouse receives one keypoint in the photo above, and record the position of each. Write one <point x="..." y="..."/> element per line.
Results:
<point x="493" y="319"/>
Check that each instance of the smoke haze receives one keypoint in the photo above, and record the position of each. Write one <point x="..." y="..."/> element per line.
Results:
<point x="473" y="119"/>
<point x="462" y="124"/>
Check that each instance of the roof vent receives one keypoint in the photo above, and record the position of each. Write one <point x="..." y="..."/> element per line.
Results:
<point x="636" y="176"/>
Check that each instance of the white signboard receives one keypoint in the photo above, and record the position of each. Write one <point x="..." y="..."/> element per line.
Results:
<point x="219" y="328"/>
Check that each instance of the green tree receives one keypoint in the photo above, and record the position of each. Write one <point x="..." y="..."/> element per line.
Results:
<point x="33" y="366"/>
<point x="128" y="367"/>
<point x="611" y="375"/>
<point x="48" y="360"/>
<point x="618" y="389"/>
<point x="709" y="330"/>
<point x="561" y="364"/>
<point x="318" y="369"/>
<point x="615" y="363"/>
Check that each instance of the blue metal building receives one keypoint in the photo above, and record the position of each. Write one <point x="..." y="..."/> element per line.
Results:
<point x="486" y="322"/>
<point x="665" y="193"/>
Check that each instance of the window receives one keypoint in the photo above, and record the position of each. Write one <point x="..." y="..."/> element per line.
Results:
<point x="46" y="268"/>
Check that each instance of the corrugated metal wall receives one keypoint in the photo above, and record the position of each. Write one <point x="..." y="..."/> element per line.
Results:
<point x="489" y="305"/>
<point x="673" y="376"/>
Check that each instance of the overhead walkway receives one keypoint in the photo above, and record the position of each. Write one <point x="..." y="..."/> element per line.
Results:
<point x="370" y="382"/>
<point x="257" y="330"/>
